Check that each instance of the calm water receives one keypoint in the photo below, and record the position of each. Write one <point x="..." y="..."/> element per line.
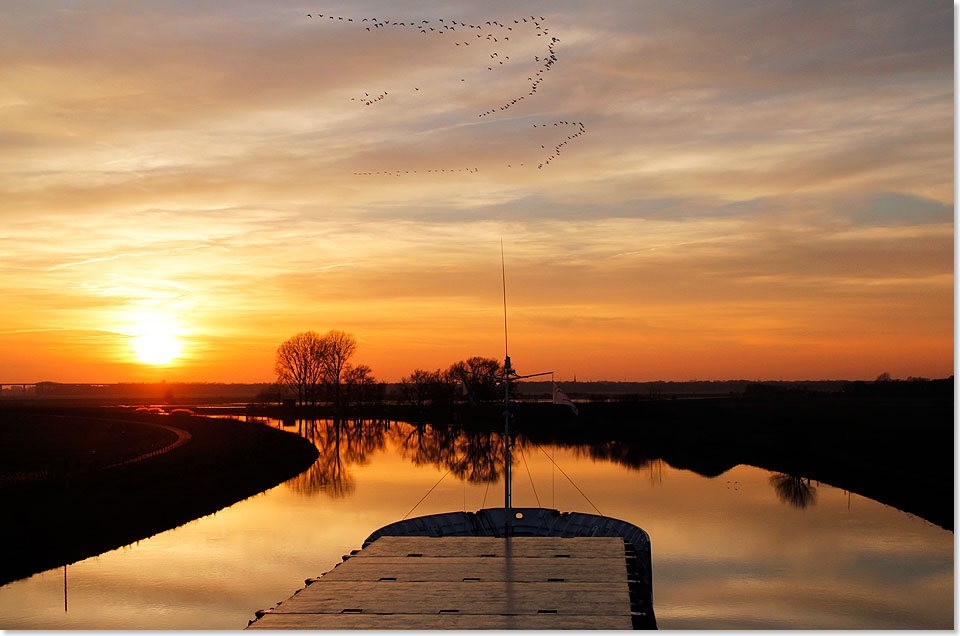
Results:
<point x="747" y="549"/>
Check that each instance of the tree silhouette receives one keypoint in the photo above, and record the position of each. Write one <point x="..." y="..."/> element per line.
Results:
<point x="478" y="373"/>
<point x="337" y="349"/>
<point x="426" y="387"/>
<point x="308" y="359"/>
<point x="359" y="384"/>
<point x="299" y="365"/>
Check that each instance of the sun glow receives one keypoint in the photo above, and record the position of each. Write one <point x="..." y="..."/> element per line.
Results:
<point x="156" y="341"/>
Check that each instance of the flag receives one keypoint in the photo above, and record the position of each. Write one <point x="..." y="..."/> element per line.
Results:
<point x="559" y="397"/>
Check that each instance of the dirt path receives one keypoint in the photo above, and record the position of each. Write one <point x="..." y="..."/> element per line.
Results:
<point x="183" y="437"/>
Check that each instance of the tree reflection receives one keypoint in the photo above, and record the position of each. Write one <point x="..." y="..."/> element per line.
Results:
<point x="623" y="453"/>
<point x="794" y="490"/>
<point x="482" y="457"/>
<point x="341" y="443"/>
<point x="471" y="456"/>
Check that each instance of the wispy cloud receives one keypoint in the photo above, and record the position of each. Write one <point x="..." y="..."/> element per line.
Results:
<point x="114" y="257"/>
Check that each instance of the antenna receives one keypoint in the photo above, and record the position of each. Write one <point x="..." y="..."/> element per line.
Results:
<point x="503" y="278"/>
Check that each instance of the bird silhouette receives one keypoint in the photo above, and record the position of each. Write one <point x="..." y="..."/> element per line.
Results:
<point x="546" y="63"/>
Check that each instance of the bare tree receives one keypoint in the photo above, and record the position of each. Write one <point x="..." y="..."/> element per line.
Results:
<point x="299" y="365"/>
<point x="358" y="382"/>
<point x="478" y="373"/>
<point x="337" y="349"/>
<point x="416" y="388"/>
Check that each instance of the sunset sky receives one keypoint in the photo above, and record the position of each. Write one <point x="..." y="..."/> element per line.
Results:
<point x="762" y="190"/>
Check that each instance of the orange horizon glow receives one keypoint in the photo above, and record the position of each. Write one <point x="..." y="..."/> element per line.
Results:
<point x="759" y="194"/>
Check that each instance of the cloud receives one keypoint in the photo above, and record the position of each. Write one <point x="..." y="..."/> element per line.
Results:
<point x="749" y="171"/>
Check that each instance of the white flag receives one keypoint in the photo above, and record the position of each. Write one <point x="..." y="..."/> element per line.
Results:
<point x="559" y="397"/>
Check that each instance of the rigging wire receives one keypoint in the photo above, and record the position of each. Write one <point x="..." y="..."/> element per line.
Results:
<point x="485" y="491"/>
<point x="570" y="480"/>
<point x="527" y="465"/>
<point x="431" y="488"/>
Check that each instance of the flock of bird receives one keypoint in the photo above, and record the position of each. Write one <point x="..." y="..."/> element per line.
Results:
<point x="400" y="173"/>
<point x="556" y="149"/>
<point x="577" y="125"/>
<point x="367" y="100"/>
<point x="497" y="32"/>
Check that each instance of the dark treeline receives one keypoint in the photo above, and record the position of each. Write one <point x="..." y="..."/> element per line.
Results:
<point x="398" y="392"/>
<point x="895" y="448"/>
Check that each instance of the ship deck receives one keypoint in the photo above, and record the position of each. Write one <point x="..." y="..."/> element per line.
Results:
<point x="464" y="582"/>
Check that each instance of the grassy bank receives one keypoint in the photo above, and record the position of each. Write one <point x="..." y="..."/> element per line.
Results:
<point x="61" y="504"/>
<point x="36" y="445"/>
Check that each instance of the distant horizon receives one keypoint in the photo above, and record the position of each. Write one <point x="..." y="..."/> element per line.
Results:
<point x="530" y="381"/>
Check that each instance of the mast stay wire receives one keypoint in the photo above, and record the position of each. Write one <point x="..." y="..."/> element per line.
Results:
<point x="570" y="480"/>
<point x="527" y="465"/>
<point x="432" y="487"/>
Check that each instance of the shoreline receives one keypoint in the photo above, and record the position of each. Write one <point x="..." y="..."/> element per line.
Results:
<point x="894" y="449"/>
<point x="224" y="462"/>
<point x="897" y="451"/>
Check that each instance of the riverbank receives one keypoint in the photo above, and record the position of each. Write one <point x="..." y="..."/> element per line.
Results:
<point x="898" y="451"/>
<point x="64" y="502"/>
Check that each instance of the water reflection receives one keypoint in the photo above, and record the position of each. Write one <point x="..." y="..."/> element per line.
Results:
<point x="722" y="557"/>
<point x="623" y="453"/>
<point x="474" y="457"/>
<point x="342" y="443"/>
<point x="794" y="490"/>
<point x="470" y="456"/>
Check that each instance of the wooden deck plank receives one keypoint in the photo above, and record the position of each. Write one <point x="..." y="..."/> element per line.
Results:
<point x="467" y="597"/>
<point x="479" y="568"/>
<point x="430" y="583"/>
<point x="582" y="547"/>
<point x="438" y="621"/>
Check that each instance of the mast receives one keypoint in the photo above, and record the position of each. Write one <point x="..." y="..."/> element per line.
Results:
<point x="508" y="375"/>
<point x="506" y="436"/>
<point x="506" y="391"/>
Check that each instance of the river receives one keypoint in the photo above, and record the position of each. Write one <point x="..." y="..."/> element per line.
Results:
<point x="745" y="549"/>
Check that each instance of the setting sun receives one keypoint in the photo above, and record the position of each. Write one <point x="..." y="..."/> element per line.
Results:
<point x="156" y="342"/>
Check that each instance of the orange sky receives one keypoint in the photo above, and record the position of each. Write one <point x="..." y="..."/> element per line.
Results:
<point x="762" y="190"/>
